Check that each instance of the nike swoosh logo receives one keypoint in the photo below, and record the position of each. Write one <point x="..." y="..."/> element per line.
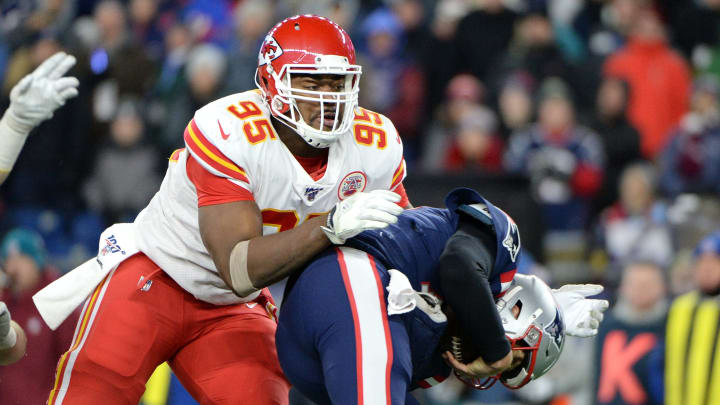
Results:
<point x="251" y="304"/>
<point x="222" y="133"/>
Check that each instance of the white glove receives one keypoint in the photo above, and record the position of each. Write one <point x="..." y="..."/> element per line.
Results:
<point x="582" y="315"/>
<point x="8" y="337"/>
<point x="362" y="211"/>
<point x="36" y="97"/>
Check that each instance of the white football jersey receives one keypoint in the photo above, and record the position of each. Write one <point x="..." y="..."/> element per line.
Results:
<point x="233" y="138"/>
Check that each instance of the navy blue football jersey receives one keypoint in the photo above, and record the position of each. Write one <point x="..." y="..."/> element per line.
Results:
<point x="414" y="244"/>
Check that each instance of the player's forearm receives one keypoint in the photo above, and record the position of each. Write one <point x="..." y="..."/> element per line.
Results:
<point x="16" y="352"/>
<point x="273" y="257"/>
<point x="463" y="269"/>
<point x="12" y="139"/>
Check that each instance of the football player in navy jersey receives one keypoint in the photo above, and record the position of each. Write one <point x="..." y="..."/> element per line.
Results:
<point x="364" y="323"/>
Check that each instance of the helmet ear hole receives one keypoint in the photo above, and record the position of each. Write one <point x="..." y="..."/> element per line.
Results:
<point x="517" y="309"/>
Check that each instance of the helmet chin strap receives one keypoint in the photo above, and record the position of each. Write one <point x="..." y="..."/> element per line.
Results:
<point x="305" y="137"/>
<point x="311" y="141"/>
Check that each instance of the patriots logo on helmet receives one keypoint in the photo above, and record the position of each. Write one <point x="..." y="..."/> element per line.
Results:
<point x="269" y="51"/>
<point x="557" y="329"/>
<point x="512" y="239"/>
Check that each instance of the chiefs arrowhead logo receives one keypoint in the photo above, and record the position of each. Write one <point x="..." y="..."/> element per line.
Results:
<point x="269" y="51"/>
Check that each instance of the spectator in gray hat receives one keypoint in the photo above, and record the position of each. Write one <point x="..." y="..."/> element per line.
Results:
<point x="564" y="161"/>
<point x="476" y="145"/>
<point x="121" y="197"/>
<point x="205" y="70"/>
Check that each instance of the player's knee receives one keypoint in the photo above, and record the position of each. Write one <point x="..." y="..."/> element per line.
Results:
<point x="261" y="386"/>
<point x="93" y="389"/>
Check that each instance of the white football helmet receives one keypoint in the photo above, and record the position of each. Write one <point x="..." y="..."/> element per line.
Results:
<point x="537" y="328"/>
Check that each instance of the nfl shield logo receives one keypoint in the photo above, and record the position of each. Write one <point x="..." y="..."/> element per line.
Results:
<point x="352" y="183"/>
<point x="311" y="193"/>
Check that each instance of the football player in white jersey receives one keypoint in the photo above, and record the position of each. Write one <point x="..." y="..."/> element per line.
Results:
<point x="268" y="179"/>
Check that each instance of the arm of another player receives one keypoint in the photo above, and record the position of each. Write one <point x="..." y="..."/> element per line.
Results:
<point x="248" y="261"/>
<point x="33" y="100"/>
<point x="463" y="269"/>
<point x="237" y="227"/>
<point x="13" y="341"/>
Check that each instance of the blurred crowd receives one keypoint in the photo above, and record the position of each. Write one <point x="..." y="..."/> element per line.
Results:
<point x="609" y="108"/>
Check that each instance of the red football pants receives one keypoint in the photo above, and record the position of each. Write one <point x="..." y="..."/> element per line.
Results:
<point x="138" y="317"/>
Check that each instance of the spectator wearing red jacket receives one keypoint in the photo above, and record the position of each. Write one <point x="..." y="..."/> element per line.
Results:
<point x="476" y="145"/>
<point x="659" y="81"/>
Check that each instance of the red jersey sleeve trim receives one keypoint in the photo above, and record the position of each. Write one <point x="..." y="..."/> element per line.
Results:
<point x="212" y="189"/>
<point x="211" y="155"/>
<point x="398" y="175"/>
<point x="404" y="200"/>
<point x="176" y="155"/>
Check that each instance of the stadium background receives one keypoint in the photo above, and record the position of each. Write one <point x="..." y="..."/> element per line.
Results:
<point x="502" y="96"/>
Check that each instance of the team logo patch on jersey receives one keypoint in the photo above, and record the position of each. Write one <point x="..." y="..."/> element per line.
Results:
<point x="312" y="192"/>
<point x="269" y="51"/>
<point x="512" y="240"/>
<point x="111" y="246"/>
<point x="352" y="183"/>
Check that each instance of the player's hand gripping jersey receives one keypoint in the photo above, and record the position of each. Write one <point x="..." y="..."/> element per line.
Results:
<point x="232" y="154"/>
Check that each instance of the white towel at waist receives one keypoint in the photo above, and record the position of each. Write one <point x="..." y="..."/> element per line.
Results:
<point x="59" y="299"/>
<point x="401" y="295"/>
